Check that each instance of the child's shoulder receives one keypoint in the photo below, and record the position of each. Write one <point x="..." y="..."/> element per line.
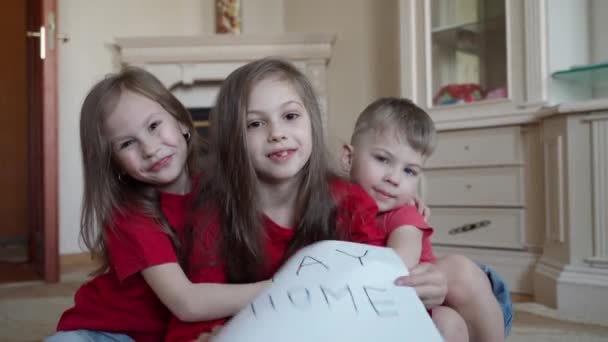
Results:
<point x="342" y="188"/>
<point x="128" y="217"/>
<point x="403" y="215"/>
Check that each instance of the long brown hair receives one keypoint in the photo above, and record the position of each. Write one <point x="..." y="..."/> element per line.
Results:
<point x="231" y="185"/>
<point x="106" y="191"/>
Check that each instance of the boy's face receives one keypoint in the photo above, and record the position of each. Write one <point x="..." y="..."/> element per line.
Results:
<point x="386" y="167"/>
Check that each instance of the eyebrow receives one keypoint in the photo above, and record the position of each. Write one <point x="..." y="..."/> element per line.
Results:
<point x="283" y="105"/>
<point x="392" y="155"/>
<point x="151" y="117"/>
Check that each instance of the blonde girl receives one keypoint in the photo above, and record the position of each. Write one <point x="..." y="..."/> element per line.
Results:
<point x="140" y="155"/>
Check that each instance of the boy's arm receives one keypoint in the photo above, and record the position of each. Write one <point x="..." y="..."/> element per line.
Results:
<point x="192" y="302"/>
<point x="407" y="242"/>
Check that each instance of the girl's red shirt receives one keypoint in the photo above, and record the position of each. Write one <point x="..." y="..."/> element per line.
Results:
<point x="120" y="300"/>
<point x="355" y="214"/>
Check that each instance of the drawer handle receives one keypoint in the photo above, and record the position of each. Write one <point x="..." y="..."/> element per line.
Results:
<point x="469" y="226"/>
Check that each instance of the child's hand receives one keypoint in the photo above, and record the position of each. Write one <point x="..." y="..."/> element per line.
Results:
<point x="430" y="284"/>
<point x="422" y="207"/>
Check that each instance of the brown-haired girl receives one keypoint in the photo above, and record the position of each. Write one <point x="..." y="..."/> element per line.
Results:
<point x="269" y="190"/>
<point x="140" y="152"/>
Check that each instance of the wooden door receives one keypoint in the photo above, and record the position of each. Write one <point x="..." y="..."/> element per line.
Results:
<point x="28" y="131"/>
<point x="14" y="207"/>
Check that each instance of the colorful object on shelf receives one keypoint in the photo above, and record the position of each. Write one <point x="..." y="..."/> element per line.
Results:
<point x="497" y="93"/>
<point x="458" y="93"/>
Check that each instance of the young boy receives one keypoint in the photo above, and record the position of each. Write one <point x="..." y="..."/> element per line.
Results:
<point x="391" y="141"/>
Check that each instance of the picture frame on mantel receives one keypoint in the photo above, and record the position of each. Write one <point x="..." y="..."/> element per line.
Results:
<point x="228" y="16"/>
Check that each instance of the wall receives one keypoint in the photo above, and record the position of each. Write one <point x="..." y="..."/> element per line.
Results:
<point x="599" y="27"/>
<point x="364" y="63"/>
<point x="568" y="39"/>
<point x="87" y="57"/>
<point x="599" y="39"/>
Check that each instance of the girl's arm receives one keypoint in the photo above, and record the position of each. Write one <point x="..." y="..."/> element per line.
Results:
<point x="192" y="302"/>
<point x="407" y="242"/>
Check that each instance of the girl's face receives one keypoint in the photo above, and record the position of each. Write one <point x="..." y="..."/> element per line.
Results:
<point x="148" y="143"/>
<point x="279" y="133"/>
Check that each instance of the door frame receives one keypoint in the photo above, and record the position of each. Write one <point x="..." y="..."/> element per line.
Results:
<point x="49" y="149"/>
<point x="43" y="141"/>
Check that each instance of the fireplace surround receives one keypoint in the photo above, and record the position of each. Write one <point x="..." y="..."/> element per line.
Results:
<point x="193" y="67"/>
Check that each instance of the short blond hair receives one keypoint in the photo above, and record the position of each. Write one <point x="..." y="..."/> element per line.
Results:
<point x="402" y="117"/>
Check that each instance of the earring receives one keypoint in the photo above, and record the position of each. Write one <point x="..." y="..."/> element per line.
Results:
<point x="187" y="136"/>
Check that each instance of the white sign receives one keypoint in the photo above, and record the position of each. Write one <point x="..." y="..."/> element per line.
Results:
<point x="335" y="291"/>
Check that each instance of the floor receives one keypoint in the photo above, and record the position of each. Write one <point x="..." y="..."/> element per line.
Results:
<point x="13" y="262"/>
<point x="30" y="310"/>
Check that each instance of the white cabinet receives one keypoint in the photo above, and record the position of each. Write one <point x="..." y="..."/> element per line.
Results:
<point x="475" y="62"/>
<point x="482" y="185"/>
<point x="519" y="179"/>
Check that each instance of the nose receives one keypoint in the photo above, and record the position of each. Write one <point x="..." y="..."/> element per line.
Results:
<point x="392" y="176"/>
<point x="149" y="147"/>
<point x="276" y="133"/>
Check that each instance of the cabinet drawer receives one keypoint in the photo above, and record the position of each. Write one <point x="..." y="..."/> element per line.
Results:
<point x="481" y="147"/>
<point x="500" y="228"/>
<point x="496" y="186"/>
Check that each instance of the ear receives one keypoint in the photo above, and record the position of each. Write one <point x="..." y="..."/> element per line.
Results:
<point x="347" y="157"/>
<point x="183" y="128"/>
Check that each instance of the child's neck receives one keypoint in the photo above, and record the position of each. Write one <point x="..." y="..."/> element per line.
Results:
<point x="278" y="202"/>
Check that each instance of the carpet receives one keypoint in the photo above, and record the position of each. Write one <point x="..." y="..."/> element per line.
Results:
<point x="26" y="319"/>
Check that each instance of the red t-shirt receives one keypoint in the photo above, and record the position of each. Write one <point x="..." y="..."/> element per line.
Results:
<point x="408" y="215"/>
<point x="120" y="300"/>
<point x="355" y="215"/>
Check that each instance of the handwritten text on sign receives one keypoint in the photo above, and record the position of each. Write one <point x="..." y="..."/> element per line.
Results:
<point x="335" y="291"/>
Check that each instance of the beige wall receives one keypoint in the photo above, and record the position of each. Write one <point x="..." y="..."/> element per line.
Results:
<point x="364" y="64"/>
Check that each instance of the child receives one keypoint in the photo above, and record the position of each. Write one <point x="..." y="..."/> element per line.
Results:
<point x="140" y="152"/>
<point x="392" y="140"/>
<point x="270" y="191"/>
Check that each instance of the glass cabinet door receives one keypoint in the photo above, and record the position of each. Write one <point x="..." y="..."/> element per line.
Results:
<point x="469" y="51"/>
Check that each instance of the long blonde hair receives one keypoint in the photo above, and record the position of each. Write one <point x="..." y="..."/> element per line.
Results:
<point x="105" y="191"/>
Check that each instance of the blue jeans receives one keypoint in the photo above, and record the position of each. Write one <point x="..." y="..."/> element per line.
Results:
<point x="501" y="292"/>
<point x="88" y="336"/>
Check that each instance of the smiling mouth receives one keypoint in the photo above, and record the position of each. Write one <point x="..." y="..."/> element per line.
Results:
<point x="384" y="193"/>
<point x="159" y="165"/>
<point x="281" y="155"/>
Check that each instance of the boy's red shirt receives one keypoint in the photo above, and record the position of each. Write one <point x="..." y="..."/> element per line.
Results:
<point x="408" y="215"/>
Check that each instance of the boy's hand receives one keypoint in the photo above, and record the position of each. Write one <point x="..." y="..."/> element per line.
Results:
<point x="430" y="284"/>
<point x="422" y="207"/>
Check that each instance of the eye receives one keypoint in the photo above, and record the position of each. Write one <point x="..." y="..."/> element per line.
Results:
<point x="292" y="116"/>
<point x="410" y="171"/>
<point x="125" y="144"/>
<point x="154" y="125"/>
<point x="254" y="124"/>
<point x="381" y="159"/>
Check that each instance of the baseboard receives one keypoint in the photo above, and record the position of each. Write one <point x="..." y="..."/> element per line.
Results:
<point x="579" y="291"/>
<point x="515" y="267"/>
<point x="77" y="261"/>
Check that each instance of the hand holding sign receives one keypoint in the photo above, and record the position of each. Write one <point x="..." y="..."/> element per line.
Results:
<point x="335" y="291"/>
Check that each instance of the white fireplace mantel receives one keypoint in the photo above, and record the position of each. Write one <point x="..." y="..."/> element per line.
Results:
<point x="186" y="60"/>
